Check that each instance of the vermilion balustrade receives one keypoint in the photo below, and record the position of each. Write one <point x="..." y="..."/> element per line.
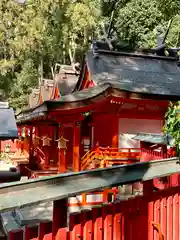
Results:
<point x="110" y="155"/>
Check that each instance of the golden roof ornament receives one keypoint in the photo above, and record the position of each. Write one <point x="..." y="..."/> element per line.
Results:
<point x="62" y="143"/>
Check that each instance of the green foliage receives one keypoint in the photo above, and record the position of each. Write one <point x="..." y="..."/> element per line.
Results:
<point x="23" y="83"/>
<point x="60" y="31"/>
<point x="172" y="123"/>
<point x="137" y="20"/>
<point x="169" y="8"/>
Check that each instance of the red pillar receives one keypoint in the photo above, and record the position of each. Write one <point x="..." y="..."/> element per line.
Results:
<point x="30" y="140"/>
<point x="115" y="132"/>
<point x="76" y="148"/>
<point x="46" y="159"/>
<point x="62" y="163"/>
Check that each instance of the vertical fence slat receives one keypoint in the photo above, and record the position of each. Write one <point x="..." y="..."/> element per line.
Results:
<point x="169" y="217"/>
<point x="163" y="216"/>
<point x="59" y="224"/>
<point x="141" y="219"/>
<point x="75" y="228"/>
<point x="98" y="223"/>
<point x="107" y="212"/>
<point x="176" y="217"/>
<point x="146" y="216"/>
<point x="14" y="235"/>
<point x="117" y="222"/>
<point x="150" y="220"/>
<point x="132" y="218"/>
<point x="127" y="220"/>
<point x="149" y="204"/>
<point x="156" y="217"/>
<point x="87" y="225"/>
<point x="30" y="232"/>
<point x="45" y="231"/>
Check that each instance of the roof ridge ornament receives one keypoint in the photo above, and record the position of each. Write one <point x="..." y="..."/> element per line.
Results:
<point x="160" y="49"/>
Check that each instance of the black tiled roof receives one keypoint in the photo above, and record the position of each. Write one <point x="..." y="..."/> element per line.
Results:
<point x="66" y="79"/>
<point x="136" y="73"/>
<point x="66" y="83"/>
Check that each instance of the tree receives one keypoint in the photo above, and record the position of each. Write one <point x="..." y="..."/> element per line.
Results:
<point x="172" y="124"/>
<point x="41" y="32"/>
<point x="46" y="32"/>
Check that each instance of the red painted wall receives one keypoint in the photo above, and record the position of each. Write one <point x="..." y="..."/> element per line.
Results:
<point x="107" y="126"/>
<point x="68" y="134"/>
<point x="103" y="130"/>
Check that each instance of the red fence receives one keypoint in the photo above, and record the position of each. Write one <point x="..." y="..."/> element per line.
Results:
<point x="148" y="154"/>
<point x="153" y="216"/>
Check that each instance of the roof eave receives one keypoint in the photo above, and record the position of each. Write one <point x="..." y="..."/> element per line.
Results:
<point x="81" y="104"/>
<point x="33" y="113"/>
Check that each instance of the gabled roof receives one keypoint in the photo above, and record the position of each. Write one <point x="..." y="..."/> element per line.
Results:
<point x="135" y="73"/>
<point x="126" y="75"/>
<point x="66" y="82"/>
<point x="33" y="99"/>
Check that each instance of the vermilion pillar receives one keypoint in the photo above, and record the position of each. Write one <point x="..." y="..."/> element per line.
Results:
<point x="46" y="159"/>
<point x="76" y="147"/>
<point x="115" y="132"/>
<point x="30" y="138"/>
<point x="62" y="163"/>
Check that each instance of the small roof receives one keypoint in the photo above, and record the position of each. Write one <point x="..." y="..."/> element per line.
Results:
<point x="33" y="98"/>
<point x="8" y="127"/>
<point x="66" y="82"/>
<point x="153" y="138"/>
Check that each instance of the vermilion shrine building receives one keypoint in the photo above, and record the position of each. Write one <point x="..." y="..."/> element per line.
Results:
<point x="113" y="97"/>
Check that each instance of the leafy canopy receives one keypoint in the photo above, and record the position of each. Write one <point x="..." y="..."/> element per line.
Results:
<point x="172" y="123"/>
<point x="46" y="32"/>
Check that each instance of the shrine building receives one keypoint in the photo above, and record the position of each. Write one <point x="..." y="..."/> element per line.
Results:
<point x="114" y="96"/>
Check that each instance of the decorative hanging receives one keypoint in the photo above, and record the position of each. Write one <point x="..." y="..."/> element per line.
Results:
<point x="46" y="141"/>
<point x="62" y="143"/>
<point x="36" y="140"/>
<point x="23" y="132"/>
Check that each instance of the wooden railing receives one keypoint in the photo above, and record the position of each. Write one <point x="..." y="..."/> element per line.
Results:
<point x="40" y="155"/>
<point x="110" y="155"/>
<point x="153" y="216"/>
<point x="148" y="154"/>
